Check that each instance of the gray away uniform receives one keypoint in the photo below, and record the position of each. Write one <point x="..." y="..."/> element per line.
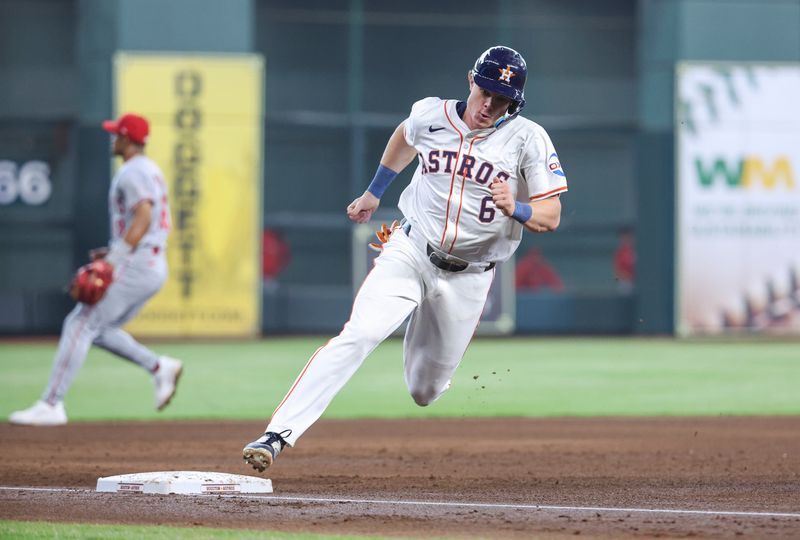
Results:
<point x="137" y="277"/>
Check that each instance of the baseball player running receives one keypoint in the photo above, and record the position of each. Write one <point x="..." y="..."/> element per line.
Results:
<point x="484" y="174"/>
<point x="134" y="268"/>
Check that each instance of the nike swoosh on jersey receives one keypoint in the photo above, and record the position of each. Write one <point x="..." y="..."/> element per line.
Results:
<point x="431" y="129"/>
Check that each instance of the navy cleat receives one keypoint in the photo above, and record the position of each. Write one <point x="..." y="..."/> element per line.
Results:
<point x="262" y="452"/>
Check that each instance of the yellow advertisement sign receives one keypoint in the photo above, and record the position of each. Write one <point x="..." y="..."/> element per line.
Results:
<point x="206" y="119"/>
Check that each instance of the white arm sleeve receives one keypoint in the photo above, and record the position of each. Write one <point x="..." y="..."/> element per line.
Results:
<point x="135" y="187"/>
<point x="541" y="167"/>
<point x="415" y="120"/>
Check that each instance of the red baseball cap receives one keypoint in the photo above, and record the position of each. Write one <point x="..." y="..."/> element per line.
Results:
<point x="133" y="126"/>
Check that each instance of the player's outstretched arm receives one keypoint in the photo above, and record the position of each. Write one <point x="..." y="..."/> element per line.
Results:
<point x="539" y="216"/>
<point x="396" y="157"/>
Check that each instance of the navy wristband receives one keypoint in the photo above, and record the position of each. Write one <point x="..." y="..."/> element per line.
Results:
<point x="383" y="177"/>
<point x="522" y="212"/>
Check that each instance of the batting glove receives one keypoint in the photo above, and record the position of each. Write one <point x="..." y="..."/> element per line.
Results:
<point x="383" y="234"/>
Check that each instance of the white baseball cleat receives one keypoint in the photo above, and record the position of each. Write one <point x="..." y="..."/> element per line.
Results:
<point x="166" y="380"/>
<point x="40" y="414"/>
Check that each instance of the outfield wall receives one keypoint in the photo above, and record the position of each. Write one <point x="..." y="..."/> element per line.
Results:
<point x="336" y="85"/>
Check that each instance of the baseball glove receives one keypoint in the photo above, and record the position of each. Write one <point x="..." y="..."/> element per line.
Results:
<point x="383" y="234"/>
<point x="91" y="282"/>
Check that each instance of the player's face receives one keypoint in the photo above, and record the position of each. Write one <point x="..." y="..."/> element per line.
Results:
<point x="484" y="108"/>
<point x="116" y="145"/>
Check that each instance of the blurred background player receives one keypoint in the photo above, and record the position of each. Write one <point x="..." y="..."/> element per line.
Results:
<point x="625" y="261"/>
<point x="485" y="174"/>
<point x="140" y="223"/>
<point x="535" y="273"/>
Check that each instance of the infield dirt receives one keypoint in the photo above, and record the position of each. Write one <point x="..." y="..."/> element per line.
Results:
<point x="711" y="464"/>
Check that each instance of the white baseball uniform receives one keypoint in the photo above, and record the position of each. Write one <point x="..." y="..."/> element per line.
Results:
<point x="450" y="218"/>
<point x="137" y="278"/>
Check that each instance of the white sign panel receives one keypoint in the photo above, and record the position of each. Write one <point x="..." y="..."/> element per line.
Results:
<point x="738" y="199"/>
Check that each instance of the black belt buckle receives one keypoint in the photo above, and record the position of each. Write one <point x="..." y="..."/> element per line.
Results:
<point x="439" y="262"/>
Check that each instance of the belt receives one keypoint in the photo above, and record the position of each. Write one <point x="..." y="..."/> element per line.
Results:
<point x="442" y="263"/>
<point x="155" y="249"/>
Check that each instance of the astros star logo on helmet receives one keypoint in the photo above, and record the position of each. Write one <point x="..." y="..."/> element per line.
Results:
<point x="506" y="74"/>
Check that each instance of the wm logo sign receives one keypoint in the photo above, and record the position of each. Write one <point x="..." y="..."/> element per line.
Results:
<point x="745" y="173"/>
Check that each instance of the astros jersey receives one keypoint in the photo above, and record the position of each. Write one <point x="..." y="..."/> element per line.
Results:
<point x="139" y="179"/>
<point x="449" y="199"/>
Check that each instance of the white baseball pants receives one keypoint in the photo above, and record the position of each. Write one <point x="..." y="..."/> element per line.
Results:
<point x="445" y="309"/>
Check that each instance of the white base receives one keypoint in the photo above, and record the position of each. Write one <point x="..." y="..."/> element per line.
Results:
<point x="184" y="483"/>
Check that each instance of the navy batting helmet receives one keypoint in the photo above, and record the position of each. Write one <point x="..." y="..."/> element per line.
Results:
<point x="502" y="70"/>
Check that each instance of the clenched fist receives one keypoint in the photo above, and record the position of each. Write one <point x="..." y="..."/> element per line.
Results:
<point x="361" y="209"/>
<point x="501" y="195"/>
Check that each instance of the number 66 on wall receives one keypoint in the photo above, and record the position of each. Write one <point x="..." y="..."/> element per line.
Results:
<point x="31" y="183"/>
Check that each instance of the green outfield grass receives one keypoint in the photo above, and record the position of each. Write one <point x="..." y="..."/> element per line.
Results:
<point x="510" y="377"/>
<point x="36" y="529"/>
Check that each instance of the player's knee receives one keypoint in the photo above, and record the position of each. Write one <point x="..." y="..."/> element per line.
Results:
<point x="100" y="339"/>
<point x="428" y="392"/>
<point x="421" y="399"/>
<point x="424" y="396"/>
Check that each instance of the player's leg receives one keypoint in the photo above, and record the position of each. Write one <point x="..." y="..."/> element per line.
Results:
<point x="119" y="342"/>
<point x="81" y="328"/>
<point x="77" y="333"/>
<point x="166" y="371"/>
<point x="440" y="331"/>
<point x="389" y="293"/>
<point x="133" y="286"/>
<point x="133" y="290"/>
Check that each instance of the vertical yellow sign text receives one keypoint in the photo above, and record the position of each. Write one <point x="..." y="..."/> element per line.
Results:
<point x="206" y="120"/>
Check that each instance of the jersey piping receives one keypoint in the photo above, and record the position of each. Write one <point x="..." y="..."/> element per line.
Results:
<point x="461" y="200"/>
<point x="64" y="360"/>
<point x="452" y="178"/>
<point x="291" y="390"/>
<point x="549" y="193"/>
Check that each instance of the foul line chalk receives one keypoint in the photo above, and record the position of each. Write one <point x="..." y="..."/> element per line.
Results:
<point x="488" y="506"/>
